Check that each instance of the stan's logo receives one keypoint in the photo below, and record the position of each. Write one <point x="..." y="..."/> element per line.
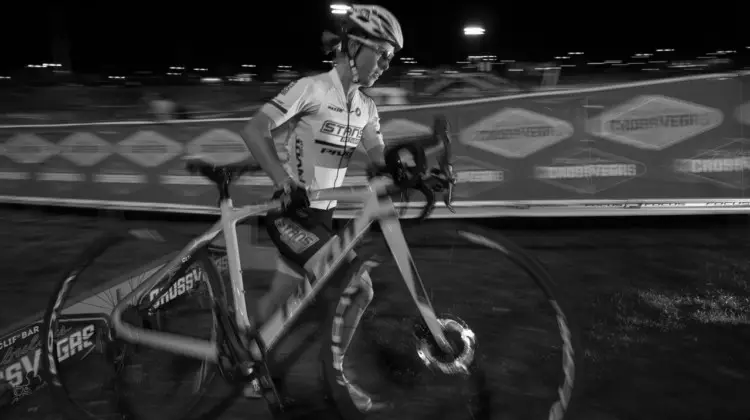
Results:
<point x="727" y="165"/>
<point x="350" y="134"/>
<point x="655" y="122"/>
<point x="294" y="236"/>
<point x="334" y="108"/>
<point x="516" y="133"/>
<point x="588" y="171"/>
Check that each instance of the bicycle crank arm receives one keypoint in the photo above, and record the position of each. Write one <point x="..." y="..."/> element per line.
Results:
<point x="268" y="388"/>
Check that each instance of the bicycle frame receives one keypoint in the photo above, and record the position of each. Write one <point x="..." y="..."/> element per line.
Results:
<point x="377" y="207"/>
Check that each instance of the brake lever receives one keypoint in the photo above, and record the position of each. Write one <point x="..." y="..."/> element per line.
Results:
<point x="441" y="129"/>
<point x="444" y="182"/>
<point x="430" y="197"/>
<point x="448" y="196"/>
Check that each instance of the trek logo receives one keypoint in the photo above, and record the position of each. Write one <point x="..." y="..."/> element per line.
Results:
<point x="340" y="130"/>
<point x="334" y="108"/>
<point x="334" y="250"/>
<point x="299" y="152"/>
<point x="183" y="285"/>
<point x="294" y="236"/>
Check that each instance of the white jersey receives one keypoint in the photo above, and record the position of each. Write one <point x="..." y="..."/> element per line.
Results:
<point x="324" y="128"/>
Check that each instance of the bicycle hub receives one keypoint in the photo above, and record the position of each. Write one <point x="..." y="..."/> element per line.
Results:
<point x="462" y="339"/>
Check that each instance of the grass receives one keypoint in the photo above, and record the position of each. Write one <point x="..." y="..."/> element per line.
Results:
<point x="666" y="322"/>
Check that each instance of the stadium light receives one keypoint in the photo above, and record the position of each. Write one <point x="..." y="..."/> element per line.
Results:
<point x="339" y="8"/>
<point x="473" y="31"/>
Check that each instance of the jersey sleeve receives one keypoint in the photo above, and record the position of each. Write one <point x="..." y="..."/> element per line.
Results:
<point x="371" y="136"/>
<point x="298" y="97"/>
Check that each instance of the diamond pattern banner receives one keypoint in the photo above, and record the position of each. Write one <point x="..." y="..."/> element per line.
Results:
<point x="682" y="138"/>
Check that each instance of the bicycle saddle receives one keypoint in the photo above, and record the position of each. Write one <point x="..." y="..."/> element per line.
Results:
<point x="221" y="174"/>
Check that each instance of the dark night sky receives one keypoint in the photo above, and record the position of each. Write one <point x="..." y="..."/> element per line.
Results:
<point x="140" y="34"/>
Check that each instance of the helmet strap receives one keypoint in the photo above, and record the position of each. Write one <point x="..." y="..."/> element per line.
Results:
<point x="352" y="63"/>
<point x="353" y="67"/>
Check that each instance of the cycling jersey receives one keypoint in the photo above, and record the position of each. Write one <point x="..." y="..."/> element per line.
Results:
<point x="324" y="129"/>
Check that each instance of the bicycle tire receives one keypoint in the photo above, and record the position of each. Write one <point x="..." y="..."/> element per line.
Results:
<point x="115" y="353"/>
<point x="433" y="233"/>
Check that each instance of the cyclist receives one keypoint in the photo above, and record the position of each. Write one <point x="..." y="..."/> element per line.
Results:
<point x="327" y="116"/>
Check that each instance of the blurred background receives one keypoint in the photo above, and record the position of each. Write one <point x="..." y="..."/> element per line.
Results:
<point x="82" y="61"/>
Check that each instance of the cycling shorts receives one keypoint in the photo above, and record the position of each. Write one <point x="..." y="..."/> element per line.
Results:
<point x="299" y="238"/>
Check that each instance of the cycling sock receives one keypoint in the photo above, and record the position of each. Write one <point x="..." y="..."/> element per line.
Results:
<point x="352" y="304"/>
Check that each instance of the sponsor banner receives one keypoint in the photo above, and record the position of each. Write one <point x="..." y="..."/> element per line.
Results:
<point x="84" y="326"/>
<point x="20" y="351"/>
<point x="588" y="171"/>
<point x="727" y="165"/>
<point x="664" y="139"/>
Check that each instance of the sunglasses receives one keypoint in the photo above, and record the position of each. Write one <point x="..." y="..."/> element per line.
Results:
<point x="383" y="53"/>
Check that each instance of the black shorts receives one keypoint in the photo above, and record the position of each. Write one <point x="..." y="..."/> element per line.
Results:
<point x="298" y="238"/>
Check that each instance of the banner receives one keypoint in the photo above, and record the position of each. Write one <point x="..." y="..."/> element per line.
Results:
<point x="84" y="326"/>
<point x="679" y="140"/>
<point x="20" y="351"/>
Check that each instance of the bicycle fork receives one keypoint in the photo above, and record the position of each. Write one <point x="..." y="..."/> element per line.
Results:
<point x="394" y="236"/>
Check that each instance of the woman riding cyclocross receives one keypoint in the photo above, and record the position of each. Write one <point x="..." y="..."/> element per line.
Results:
<point x="327" y="118"/>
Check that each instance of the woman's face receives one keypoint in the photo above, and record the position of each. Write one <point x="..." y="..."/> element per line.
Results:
<point x="373" y="60"/>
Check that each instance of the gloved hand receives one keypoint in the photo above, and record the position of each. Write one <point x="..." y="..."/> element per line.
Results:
<point x="293" y="196"/>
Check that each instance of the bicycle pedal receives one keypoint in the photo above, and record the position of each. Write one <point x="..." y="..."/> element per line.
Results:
<point x="252" y="390"/>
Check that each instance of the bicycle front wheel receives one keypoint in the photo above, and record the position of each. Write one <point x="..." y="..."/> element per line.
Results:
<point x="495" y="301"/>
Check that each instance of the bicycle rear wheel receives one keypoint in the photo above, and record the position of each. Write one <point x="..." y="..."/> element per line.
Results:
<point x="526" y="352"/>
<point x="109" y="378"/>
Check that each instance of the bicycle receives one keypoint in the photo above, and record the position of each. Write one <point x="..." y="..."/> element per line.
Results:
<point x="442" y="344"/>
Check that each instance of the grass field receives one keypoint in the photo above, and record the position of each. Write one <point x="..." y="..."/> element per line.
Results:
<point x="664" y="305"/>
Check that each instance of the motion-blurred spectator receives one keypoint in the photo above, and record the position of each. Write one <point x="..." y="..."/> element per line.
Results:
<point x="163" y="108"/>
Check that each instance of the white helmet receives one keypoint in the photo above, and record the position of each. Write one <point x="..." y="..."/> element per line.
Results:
<point x="377" y="22"/>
